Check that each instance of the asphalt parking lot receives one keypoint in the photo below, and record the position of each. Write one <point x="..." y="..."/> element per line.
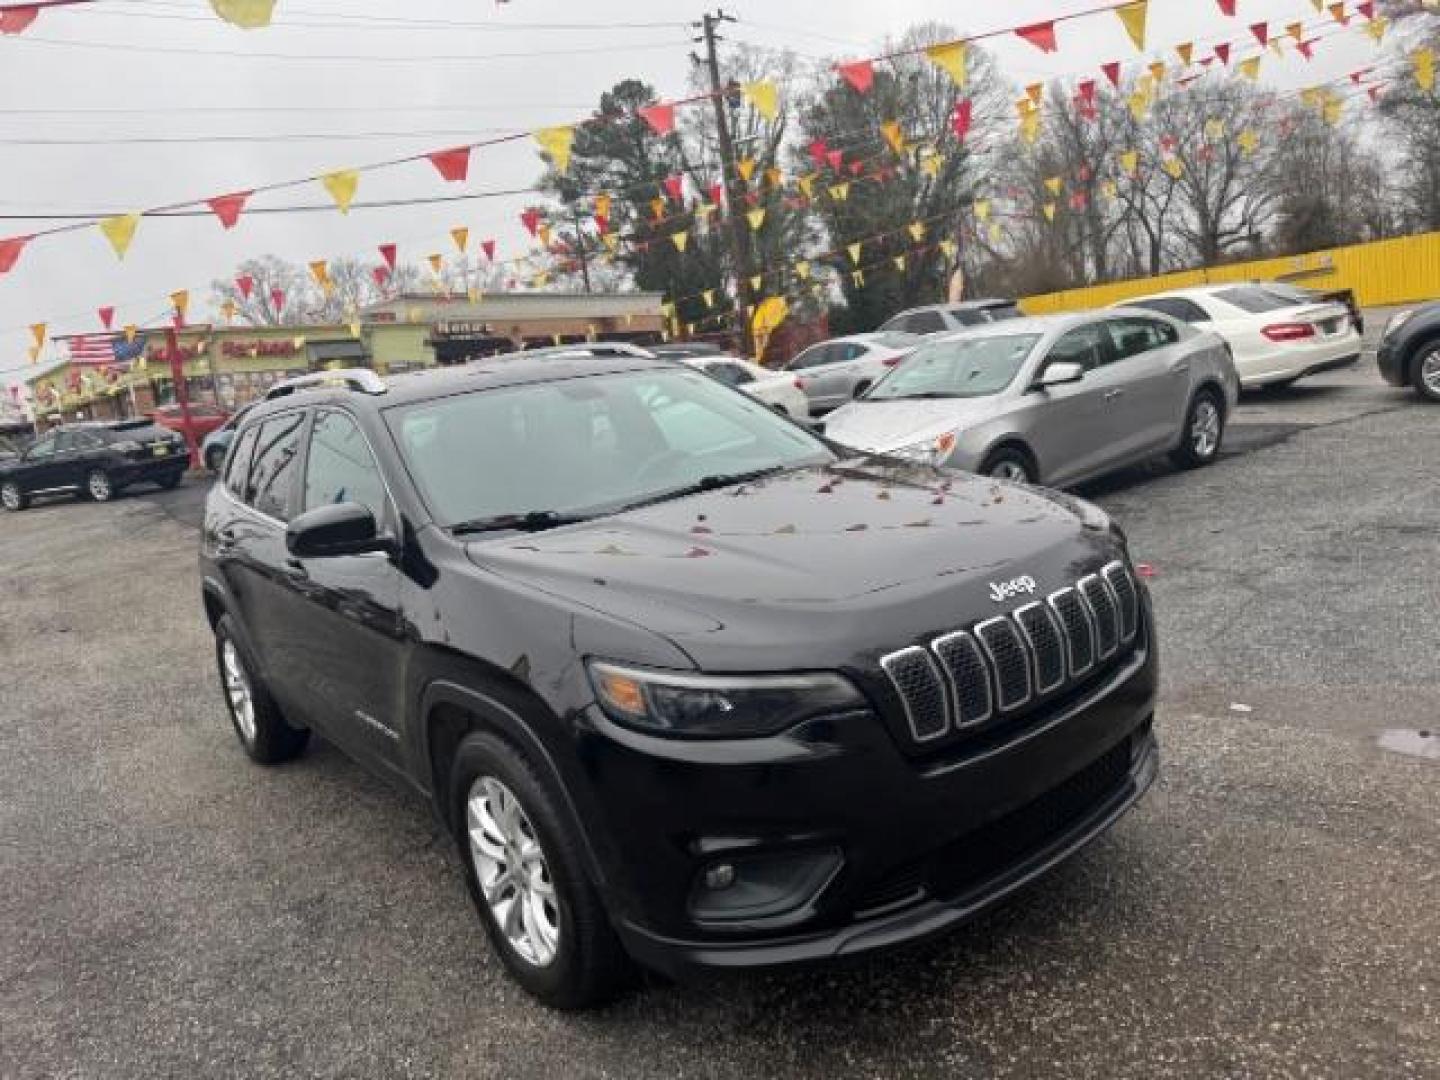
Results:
<point x="1269" y="910"/>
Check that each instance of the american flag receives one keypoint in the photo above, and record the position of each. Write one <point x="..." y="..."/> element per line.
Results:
<point x="100" y="349"/>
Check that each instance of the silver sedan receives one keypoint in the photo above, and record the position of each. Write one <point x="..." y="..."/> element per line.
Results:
<point x="1052" y="400"/>
<point x="832" y="372"/>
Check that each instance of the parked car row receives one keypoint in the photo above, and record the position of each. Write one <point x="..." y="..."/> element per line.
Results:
<point x="93" y="460"/>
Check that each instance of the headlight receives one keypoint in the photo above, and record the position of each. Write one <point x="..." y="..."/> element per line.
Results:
<point x="1399" y="319"/>
<point x="717" y="706"/>
<point x="934" y="451"/>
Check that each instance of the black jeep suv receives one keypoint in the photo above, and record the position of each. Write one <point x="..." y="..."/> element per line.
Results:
<point x="687" y="684"/>
<point x="93" y="460"/>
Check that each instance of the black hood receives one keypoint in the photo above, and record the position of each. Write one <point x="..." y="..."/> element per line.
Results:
<point x="819" y="567"/>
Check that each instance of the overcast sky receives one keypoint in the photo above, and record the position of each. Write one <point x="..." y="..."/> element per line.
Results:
<point x="82" y="85"/>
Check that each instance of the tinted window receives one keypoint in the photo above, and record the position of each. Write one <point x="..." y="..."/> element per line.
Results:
<point x="1085" y="345"/>
<point x="237" y="470"/>
<point x="1131" y="337"/>
<point x="1254" y="300"/>
<point x="970" y="367"/>
<point x="340" y="467"/>
<point x="730" y="374"/>
<point x="272" y="476"/>
<point x="1000" y="312"/>
<point x="588" y="444"/>
<point x="924" y="322"/>
<point x="66" y="441"/>
<point x="1176" y="307"/>
<point x="813" y="357"/>
<point x="42" y="447"/>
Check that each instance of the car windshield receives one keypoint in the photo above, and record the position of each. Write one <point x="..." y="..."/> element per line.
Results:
<point x="963" y="368"/>
<point x="544" y="453"/>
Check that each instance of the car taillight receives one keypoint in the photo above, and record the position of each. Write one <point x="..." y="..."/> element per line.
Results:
<point x="1289" y="331"/>
<point x="891" y="361"/>
<point x="799" y="383"/>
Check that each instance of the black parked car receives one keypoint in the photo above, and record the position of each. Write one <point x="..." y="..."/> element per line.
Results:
<point x="1409" y="353"/>
<point x="687" y="683"/>
<point x="93" y="460"/>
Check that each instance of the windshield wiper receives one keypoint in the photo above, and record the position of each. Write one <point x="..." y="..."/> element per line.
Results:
<point x="529" y="521"/>
<point x="706" y="483"/>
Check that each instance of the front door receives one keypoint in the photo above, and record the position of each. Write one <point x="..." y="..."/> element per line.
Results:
<point x="1152" y="371"/>
<point x="1074" y="437"/>
<point x="42" y="464"/>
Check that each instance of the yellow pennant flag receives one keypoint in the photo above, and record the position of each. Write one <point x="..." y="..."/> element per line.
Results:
<point x="1157" y="71"/>
<point x="948" y="247"/>
<point x="803" y="269"/>
<point x="37" y="331"/>
<point x="1174" y="167"/>
<point x="461" y="236"/>
<point x="1130" y="161"/>
<point x="227" y="309"/>
<point x="1035" y="92"/>
<point x="709" y="297"/>
<point x="917" y="231"/>
<point x="342" y="186"/>
<point x="611" y="241"/>
<point x="932" y="165"/>
<point x="180" y="301"/>
<point x="746" y="168"/>
<point x="436" y="261"/>
<point x="1423" y="60"/>
<point x="756" y="280"/>
<point x="556" y="143"/>
<point x="602" y="206"/>
<point x="246" y="14"/>
<point x="543" y="233"/>
<point x="1133" y="18"/>
<point x="854" y="252"/>
<point x="680" y="239"/>
<point x="774" y="177"/>
<point x="768" y="315"/>
<point x="120" y="230"/>
<point x="1109" y="189"/>
<point x="840" y="192"/>
<point x="858" y="277"/>
<point x="657" y="208"/>
<point x="1296" y="30"/>
<point x="982" y="209"/>
<point x="131" y="332"/>
<point x="806" y="184"/>
<point x="893" y="135"/>
<point x="764" y="96"/>
<point x="951" y="57"/>
<point x="1186" y="51"/>
<point x="756" y="218"/>
<point x="704" y="210"/>
<point x="1250" y="68"/>
<point x="1049" y="211"/>
<point x="1054" y="184"/>
<point x="320" y="271"/>
<point x="1030" y="126"/>
<point x="1332" y="111"/>
<point x="899" y="261"/>
<point x="1214" y="129"/>
<point x="1376" y="28"/>
<point x="1138" y="103"/>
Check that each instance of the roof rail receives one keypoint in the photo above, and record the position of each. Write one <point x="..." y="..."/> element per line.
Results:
<point x="361" y="380"/>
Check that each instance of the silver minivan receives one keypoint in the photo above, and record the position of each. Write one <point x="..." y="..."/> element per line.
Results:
<point x="1053" y="400"/>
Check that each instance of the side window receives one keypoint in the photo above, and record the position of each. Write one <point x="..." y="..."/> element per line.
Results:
<point x="1085" y="345"/>
<point x="730" y="374"/>
<point x="66" y="441"/>
<point x="1176" y="307"/>
<point x="340" y="467"/>
<point x="237" y="469"/>
<point x="1131" y="337"/>
<point x="926" y="322"/>
<point x="813" y="357"/>
<point x="272" y="476"/>
<point x="42" y="448"/>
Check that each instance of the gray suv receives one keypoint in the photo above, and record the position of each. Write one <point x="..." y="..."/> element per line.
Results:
<point x="1053" y="400"/>
<point x="939" y="318"/>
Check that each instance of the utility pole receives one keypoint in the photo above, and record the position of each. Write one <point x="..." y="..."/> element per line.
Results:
<point x="580" y="248"/>
<point x="734" y="190"/>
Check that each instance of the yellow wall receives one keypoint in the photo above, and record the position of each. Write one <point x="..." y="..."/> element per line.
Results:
<point x="1385" y="272"/>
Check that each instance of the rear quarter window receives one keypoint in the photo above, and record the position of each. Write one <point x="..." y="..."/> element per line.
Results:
<point x="1253" y="299"/>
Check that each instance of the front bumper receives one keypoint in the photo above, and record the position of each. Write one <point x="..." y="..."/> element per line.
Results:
<point x="1391" y="362"/>
<point x="926" y="843"/>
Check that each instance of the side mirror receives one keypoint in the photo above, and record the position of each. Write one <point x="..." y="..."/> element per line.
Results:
<point x="1058" y="374"/>
<point x="337" y="529"/>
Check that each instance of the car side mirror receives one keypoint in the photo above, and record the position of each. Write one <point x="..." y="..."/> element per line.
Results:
<point x="1060" y="373"/>
<point x="337" y="529"/>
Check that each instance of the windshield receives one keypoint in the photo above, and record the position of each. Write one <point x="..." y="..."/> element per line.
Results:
<point x="590" y="445"/>
<point x="962" y="368"/>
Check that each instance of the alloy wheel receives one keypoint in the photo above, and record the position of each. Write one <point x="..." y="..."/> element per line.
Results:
<point x="1010" y="470"/>
<point x="99" y="486"/>
<point x="1430" y="371"/>
<point x="10" y="496"/>
<point x="511" y="871"/>
<point x="1205" y="429"/>
<point x="237" y="690"/>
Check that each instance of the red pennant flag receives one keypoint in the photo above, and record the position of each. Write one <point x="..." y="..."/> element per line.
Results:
<point x="856" y="168"/>
<point x="1082" y="174"/>
<point x="675" y="187"/>
<point x="453" y="165"/>
<point x="387" y="252"/>
<point x="277" y="299"/>
<point x="227" y="207"/>
<point x="661" y="118"/>
<point x="1112" y="72"/>
<point x="488" y="246"/>
<point x="1167" y="142"/>
<point x="1374" y="93"/>
<point x="10" y="251"/>
<point x="1223" y="52"/>
<point x="818" y="149"/>
<point x="602" y="223"/>
<point x="531" y="220"/>
<point x="245" y="283"/>
<point x="15" y="20"/>
<point x="1078" y="201"/>
<point x="835" y="158"/>
<point x="1089" y="111"/>
<point x="1261" y="31"/>
<point x="1306" y="48"/>
<point x="1228" y="7"/>
<point x="1041" y="35"/>
<point x="1356" y="76"/>
<point x="381" y="274"/>
<point x="716" y="191"/>
<point x="1366" y="8"/>
<point x="1186" y="80"/>
<point x="107" y="317"/>
<point x="1086" y="90"/>
<point x="860" y="74"/>
<point x="960" y="120"/>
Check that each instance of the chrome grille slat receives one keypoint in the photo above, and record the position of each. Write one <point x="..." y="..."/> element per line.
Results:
<point x="1079" y="629"/>
<point x="1103" y="609"/>
<point x="1128" y="594"/>
<point x="1005" y="648"/>
<point x="917" y="678"/>
<point x="1046" y="640"/>
<point x="969" y="678"/>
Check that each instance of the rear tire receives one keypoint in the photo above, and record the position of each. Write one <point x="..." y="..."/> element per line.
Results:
<point x="1426" y="374"/>
<point x="13" y="497"/>
<point x="553" y="935"/>
<point x="98" y="486"/>
<point x="171" y="480"/>
<point x="262" y="730"/>
<point x="1204" y="431"/>
<point x="1011" y="464"/>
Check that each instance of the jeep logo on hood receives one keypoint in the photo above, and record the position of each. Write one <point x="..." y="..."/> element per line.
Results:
<point x="1004" y="590"/>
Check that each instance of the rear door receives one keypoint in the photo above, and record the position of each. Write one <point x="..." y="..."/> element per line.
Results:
<point x="1151" y="387"/>
<point x="68" y="467"/>
<point x="831" y="385"/>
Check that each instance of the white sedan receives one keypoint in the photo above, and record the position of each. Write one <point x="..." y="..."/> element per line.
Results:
<point x="1274" y="339"/>
<point x="841" y="369"/>
<point x="780" y="391"/>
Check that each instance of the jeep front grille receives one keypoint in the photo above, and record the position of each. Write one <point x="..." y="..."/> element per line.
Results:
<point x="1000" y="666"/>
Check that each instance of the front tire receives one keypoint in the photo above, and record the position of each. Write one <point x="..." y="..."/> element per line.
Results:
<point x="527" y="878"/>
<point x="263" y="732"/>
<point x="1008" y="463"/>
<point x="1426" y="375"/>
<point x="98" y="486"/>
<point x="13" y="497"/>
<point x="1204" y="432"/>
